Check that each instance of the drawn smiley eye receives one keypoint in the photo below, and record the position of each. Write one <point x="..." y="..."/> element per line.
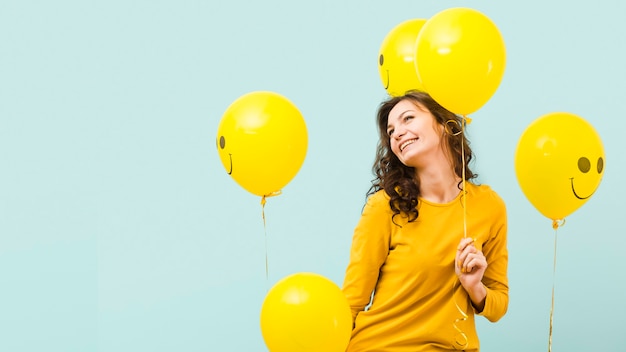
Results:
<point x="222" y="142"/>
<point x="381" y="59"/>
<point x="584" y="165"/>
<point x="600" y="165"/>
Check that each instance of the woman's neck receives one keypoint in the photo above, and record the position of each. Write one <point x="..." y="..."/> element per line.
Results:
<point x="438" y="185"/>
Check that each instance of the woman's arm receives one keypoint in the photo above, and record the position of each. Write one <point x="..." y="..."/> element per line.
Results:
<point x="370" y="246"/>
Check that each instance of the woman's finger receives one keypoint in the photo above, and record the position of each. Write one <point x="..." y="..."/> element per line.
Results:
<point x="463" y="255"/>
<point x="464" y="243"/>
<point x="472" y="261"/>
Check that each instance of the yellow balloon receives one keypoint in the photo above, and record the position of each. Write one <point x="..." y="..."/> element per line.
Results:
<point x="559" y="163"/>
<point x="306" y="312"/>
<point x="460" y="59"/>
<point x="396" y="59"/>
<point x="262" y="142"/>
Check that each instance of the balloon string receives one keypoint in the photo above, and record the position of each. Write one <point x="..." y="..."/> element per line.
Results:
<point x="555" y="225"/>
<point x="463" y="175"/>
<point x="263" y="201"/>
<point x="461" y="341"/>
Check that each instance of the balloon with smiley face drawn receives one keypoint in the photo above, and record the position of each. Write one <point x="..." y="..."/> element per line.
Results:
<point x="262" y="142"/>
<point x="559" y="163"/>
<point x="396" y="58"/>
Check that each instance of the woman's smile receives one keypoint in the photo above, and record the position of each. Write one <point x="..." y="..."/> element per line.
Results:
<point x="407" y="143"/>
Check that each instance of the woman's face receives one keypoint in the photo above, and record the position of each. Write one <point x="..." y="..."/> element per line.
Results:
<point x="414" y="134"/>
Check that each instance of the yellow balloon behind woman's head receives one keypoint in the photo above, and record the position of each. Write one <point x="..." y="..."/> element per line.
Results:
<point x="396" y="59"/>
<point x="559" y="163"/>
<point x="460" y="59"/>
<point x="262" y="142"/>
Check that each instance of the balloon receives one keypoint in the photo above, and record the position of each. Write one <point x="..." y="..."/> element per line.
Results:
<point x="306" y="312"/>
<point x="396" y="59"/>
<point x="460" y="59"/>
<point x="559" y="162"/>
<point x="262" y="142"/>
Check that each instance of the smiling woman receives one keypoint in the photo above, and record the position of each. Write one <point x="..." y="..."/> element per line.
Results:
<point x="415" y="280"/>
<point x="415" y="135"/>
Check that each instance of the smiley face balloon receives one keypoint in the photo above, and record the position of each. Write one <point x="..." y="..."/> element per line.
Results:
<point x="396" y="59"/>
<point x="559" y="163"/>
<point x="262" y="142"/>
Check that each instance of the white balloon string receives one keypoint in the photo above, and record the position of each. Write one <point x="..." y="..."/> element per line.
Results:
<point x="555" y="225"/>
<point x="263" y="201"/>
<point x="463" y="177"/>
<point x="461" y="341"/>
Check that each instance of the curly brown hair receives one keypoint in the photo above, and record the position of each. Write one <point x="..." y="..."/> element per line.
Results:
<point x="397" y="179"/>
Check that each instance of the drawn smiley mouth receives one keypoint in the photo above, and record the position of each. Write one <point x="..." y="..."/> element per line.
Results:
<point x="230" y="156"/>
<point x="222" y="145"/>
<point x="576" y="194"/>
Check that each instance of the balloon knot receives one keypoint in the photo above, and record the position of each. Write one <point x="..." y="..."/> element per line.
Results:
<point x="558" y="223"/>
<point x="273" y="194"/>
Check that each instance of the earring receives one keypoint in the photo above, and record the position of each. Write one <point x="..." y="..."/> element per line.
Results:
<point x="453" y="128"/>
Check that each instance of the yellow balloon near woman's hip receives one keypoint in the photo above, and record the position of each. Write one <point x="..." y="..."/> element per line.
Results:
<point x="306" y="312"/>
<point x="262" y="141"/>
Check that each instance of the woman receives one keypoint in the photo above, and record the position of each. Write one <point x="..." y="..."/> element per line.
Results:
<point x="425" y="259"/>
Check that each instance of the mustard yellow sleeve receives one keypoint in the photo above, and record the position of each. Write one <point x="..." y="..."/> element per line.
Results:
<point x="370" y="246"/>
<point x="495" y="277"/>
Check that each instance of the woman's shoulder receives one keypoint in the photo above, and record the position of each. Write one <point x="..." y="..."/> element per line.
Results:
<point x="486" y="193"/>
<point x="378" y="197"/>
<point x="379" y="194"/>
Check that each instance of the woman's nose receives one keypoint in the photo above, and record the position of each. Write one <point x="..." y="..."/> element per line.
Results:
<point x="399" y="132"/>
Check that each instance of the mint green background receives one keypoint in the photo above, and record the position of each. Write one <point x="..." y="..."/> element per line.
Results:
<point x="121" y="231"/>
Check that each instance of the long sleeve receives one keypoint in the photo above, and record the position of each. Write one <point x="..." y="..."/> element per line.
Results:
<point x="495" y="278"/>
<point x="370" y="246"/>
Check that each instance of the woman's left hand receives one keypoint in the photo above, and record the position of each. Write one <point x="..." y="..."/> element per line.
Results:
<point x="470" y="266"/>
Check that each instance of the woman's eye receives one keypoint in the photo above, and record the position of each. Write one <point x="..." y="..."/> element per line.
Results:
<point x="390" y="133"/>
<point x="408" y="117"/>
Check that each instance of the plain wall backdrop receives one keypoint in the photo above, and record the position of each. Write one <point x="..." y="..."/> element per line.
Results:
<point x="120" y="230"/>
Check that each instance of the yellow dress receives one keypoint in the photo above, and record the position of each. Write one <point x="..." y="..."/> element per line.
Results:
<point x="407" y="271"/>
